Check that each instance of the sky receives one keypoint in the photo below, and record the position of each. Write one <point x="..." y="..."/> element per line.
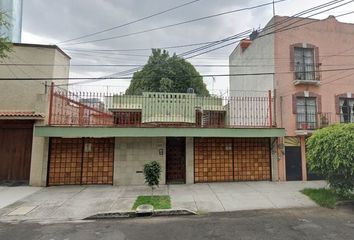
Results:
<point x="55" y="21"/>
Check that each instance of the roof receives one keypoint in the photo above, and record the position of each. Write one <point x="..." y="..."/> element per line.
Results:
<point x="42" y="46"/>
<point x="21" y="115"/>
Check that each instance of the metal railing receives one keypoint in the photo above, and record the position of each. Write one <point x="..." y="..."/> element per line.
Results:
<point x="158" y="110"/>
<point x="306" y="72"/>
<point x="312" y="121"/>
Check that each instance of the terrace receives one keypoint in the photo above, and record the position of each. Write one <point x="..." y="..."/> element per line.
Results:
<point x="154" y="110"/>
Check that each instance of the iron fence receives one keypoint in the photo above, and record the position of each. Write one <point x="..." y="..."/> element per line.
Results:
<point x="159" y="110"/>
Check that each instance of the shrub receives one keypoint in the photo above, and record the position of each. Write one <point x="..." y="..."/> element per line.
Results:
<point x="330" y="152"/>
<point x="152" y="172"/>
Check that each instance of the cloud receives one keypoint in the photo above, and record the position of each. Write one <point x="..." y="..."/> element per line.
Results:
<point x="53" y="21"/>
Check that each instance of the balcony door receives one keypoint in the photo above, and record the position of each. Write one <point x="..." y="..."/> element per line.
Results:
<point x="306" y="110"/>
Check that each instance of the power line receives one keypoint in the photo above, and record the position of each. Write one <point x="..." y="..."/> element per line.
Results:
<point x="196" y="76"/>
<point x="129" y="23"/>
<point x="233" y="36"/>
<point x="176" y="24"/>
<point x="288" y="19"/>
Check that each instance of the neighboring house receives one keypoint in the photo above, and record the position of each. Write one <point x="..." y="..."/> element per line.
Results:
<point x="299" y="59"/>
<point x="24" y="104"/>
<point x="107" y="138"/>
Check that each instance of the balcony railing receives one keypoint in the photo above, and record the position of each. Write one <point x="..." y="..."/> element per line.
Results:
<point x="158" y="110"/>
<point x="306" y="74"/>
<point x="312" y="121"/>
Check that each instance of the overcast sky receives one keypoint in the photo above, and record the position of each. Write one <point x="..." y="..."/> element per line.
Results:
<point x="53" y="21"/>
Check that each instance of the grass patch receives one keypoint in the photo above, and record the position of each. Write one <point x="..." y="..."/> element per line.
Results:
<point x="325" y="197"/>
<point x="159" y="202"/>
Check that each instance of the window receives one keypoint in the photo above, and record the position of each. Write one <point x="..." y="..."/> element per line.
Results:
<point x="306" y="111"/>
<point x="346" y="109"/>
<point x="304" y="63"/>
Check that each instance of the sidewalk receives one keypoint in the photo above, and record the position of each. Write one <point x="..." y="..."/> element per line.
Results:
<point x="10" y="195"/>
<point x="78" y="202"/>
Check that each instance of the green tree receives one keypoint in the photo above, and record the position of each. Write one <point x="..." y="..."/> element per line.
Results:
<point x="165" y="73"/>
<point x="330" y="152"/>
<point x="5" y="44"/>
<point x="152" y="172"/>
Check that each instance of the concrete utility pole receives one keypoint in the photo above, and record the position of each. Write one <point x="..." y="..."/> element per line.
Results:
<point x="13" y="10"/>
<point x="273" y="9"/>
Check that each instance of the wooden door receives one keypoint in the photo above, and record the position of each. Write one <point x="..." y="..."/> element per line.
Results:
<point x="15" y="150"/>
<point x="175" y="160"/>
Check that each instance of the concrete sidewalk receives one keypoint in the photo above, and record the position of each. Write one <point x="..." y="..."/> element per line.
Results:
<point x="10" y="195"/>
<point x="78" y="202"/>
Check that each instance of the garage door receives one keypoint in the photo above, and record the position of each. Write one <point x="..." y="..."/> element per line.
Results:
<point x="15" y="150"/>
<point x="75" y="161"/>
<point x="231" y="159"/>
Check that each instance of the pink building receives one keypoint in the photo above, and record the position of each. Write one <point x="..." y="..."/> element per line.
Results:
<point x="309" y="66"/>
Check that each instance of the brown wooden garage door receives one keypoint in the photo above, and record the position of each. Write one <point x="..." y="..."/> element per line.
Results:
<point x="231" y="159"/>
<point x="15" y="150"/>
<point x="84" y="161"/>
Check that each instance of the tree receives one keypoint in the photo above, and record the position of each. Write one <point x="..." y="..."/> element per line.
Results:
<point x="165" y="73"/>
<point x="152" y="172"/>
<point x="330" y="152"/>
<point x="5" y="44"/>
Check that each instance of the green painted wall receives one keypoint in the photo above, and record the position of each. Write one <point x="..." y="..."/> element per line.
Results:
<point x="45" y="131"/>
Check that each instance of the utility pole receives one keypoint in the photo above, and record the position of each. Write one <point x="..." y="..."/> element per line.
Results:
<point x="273" y="9"/>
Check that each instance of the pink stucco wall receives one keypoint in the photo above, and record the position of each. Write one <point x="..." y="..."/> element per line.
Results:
<point x="335" y="42"/>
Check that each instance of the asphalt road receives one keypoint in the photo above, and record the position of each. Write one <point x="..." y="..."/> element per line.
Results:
<point x="316" y="223"/>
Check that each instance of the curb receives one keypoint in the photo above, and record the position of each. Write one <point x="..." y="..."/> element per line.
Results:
<point x="134" y="214"/>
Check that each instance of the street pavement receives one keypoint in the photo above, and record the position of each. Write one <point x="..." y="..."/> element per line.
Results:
<point x="79" y="202"/>
<point x="309" y="223"/>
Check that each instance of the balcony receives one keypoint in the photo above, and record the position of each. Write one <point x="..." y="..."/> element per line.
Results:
<point x="310" y="122"/>
<point x="151" y="110"/>
<point x="306" y="74"/>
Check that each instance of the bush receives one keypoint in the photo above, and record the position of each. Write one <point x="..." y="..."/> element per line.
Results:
<point x="330" y="152"/>
<point x="152" y="172"/>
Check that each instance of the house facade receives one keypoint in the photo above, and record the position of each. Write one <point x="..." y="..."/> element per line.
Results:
<point x="23" y="105"/>
<point x="308" y="65"/>
<point x="100" y="138"/>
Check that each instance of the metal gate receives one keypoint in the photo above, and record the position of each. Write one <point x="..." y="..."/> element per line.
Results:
<point x="15" y="150"/>
<point x="293" y="163"/>
<point x="231" y="159"/>
<point x="75" y="161"/>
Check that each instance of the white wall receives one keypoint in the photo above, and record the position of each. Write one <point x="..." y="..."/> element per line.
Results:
<point x="256" y="59"/>
<point x="130" y="155"/>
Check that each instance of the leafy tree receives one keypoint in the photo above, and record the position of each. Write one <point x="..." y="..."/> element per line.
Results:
<point x="5" y="44"/>
<point x="152" y="172"/>
<point x="331" y="153"/>
<point x="165" y="73"/>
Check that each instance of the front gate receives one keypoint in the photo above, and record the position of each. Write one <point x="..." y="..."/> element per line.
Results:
<point x="293" y="163"/>
<point x="76" y="161"/>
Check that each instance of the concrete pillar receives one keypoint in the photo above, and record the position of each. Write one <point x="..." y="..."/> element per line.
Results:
<point x="281" y="160"/>
<point x="39" y="161"/>
<point x="303" y="158"/>
<point x="189" y="160"/>
<point x="274" y="158"/>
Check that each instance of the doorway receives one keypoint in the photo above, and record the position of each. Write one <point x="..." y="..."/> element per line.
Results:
<point x="293" y="163"/>
<point x="175" y="160"/>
